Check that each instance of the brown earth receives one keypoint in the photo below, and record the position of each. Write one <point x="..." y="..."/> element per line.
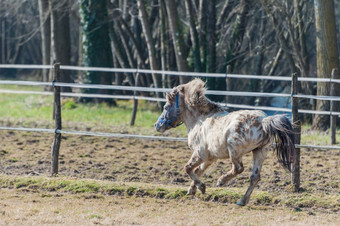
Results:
<point x="19" y="207"/>
<point x="149" y="161"/>
<point x="157" y="162"/>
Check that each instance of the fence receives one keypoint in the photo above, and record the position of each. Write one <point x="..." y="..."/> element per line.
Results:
<point x="56" y="84"/>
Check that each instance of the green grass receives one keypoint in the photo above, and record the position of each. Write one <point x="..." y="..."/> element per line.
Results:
<point x="36" y="110"/>
<point x="230" y="195"/>
<point x="33" y="107"/>
<point x="317" y="137"/>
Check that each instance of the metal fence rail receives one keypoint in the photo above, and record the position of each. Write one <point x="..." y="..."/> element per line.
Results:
<point x="148" y="89"/>
<point x="174" y="73"/>
<point x="137" y="136"/>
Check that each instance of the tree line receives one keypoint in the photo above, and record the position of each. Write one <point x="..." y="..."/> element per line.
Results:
<point x="261" y="37"/>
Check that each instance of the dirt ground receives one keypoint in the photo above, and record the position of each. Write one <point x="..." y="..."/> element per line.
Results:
<point x="148" y="161"/>
<point x="22" y="208"/>
<point x="156" y="162"/>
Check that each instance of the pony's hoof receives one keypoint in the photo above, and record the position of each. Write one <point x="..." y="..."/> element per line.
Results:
<point x="202" y="188"/>
<point x="241" y="202"/>
<point x="219" y="183"/>
<point x="192" y="190"/>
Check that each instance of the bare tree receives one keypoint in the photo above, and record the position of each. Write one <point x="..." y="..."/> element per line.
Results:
<point x="327" y="55"/>
<point x="45" y="30"/>
<point x="149" y="42"/>
<point x="60" y="37"/>
<point x="177" y="38"/>
<point x="96" y="43"/>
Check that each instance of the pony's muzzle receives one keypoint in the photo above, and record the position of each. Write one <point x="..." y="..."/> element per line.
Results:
<point x="159" y="126"/>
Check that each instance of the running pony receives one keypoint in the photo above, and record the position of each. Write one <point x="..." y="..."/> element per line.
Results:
<point x="213" y="134"/>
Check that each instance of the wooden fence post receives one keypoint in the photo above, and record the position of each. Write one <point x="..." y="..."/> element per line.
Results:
<point x="332" y="108"/>
<point x="228" y="84"/>
<point x="295" y="166"/>
<point x="57" y="118"/>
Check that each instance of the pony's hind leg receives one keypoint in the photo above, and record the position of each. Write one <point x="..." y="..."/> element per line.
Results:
<point x="237" y="168"/>
<point x="198" y="171"/>
<point x="259" y="155"/>
<point x="189" y="168"/>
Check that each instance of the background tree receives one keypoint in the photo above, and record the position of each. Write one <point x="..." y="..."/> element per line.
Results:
<point x="327" y="56"/>
<point x="149" y="42"/>
<point x="60" y="38"/>
<point x="96" y="42"/>
<point x="45" y="31"/>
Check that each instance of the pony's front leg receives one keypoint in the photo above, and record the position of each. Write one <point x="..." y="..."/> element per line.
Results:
<point x="198" y="171"/>
<point x="192" y="189"/>
<point x="189" y="168"/>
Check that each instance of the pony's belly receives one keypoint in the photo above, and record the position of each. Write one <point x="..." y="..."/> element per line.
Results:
<point x="217" y="146"/>
<point x="219" y="153"/>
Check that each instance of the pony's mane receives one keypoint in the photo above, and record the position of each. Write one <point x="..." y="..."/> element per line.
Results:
<point x="194" y="97"/>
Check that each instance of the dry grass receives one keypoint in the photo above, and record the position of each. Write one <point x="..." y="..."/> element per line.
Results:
<point x="26" y="208"/>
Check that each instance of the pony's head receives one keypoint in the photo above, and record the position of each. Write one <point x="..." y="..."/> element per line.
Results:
<point x="170" y="117"/>
<point x="182" y="99"/>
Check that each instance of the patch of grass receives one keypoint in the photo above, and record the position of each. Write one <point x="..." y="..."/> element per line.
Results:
<point x="314" y="137"/>
<point x="310" y="201"/>
<point x="13" y="160"/>
<point x="95" y="216"/>
<point x="21" y="183"/>
<point x="3" y="152"/>
<point x="224" y="195"/>
<point x="30" y="110"/>
<point x="82" y="187"/>
<point x="160" y="192"/>
<point x="131" y="190"/>
<point x="61" y="184"/>
<point x="69" y="104"/>
<point x="114" y="190"/>
<point x="263" y="198"/>
<point x="176" y="194"/>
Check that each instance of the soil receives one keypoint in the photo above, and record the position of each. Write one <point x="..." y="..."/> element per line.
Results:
<point x="19" y="207"/>
<point x="157" y="162"/>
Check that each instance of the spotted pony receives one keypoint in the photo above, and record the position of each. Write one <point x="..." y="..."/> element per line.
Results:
<point x="213" y="134"/>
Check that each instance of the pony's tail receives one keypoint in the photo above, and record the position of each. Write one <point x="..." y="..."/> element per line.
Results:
<point x="280" y="128"/>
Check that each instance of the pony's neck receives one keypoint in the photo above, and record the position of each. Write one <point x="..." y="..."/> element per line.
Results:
<point x="193" y="117"/>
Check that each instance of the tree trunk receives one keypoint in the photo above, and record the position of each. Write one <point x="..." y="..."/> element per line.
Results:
<point x="3" y="41"/>
<point x="202" y="28"/>
<point x="150" y="44"/>
<point x="177" y="38"/>
<point x="45" y="30"/>
<point x="96" y="45"/>
<point x="238" y="33"/>
<point x="163" y="41"/>
<point x="213" y="83"/>
<point x="280" y="35"/>
<point x="61" y="43"/>
<point x="194" y="36"/>
<point x="327" y="56"/>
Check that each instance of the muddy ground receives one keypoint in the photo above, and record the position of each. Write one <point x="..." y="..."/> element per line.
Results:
<point x="157" y="162"/>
